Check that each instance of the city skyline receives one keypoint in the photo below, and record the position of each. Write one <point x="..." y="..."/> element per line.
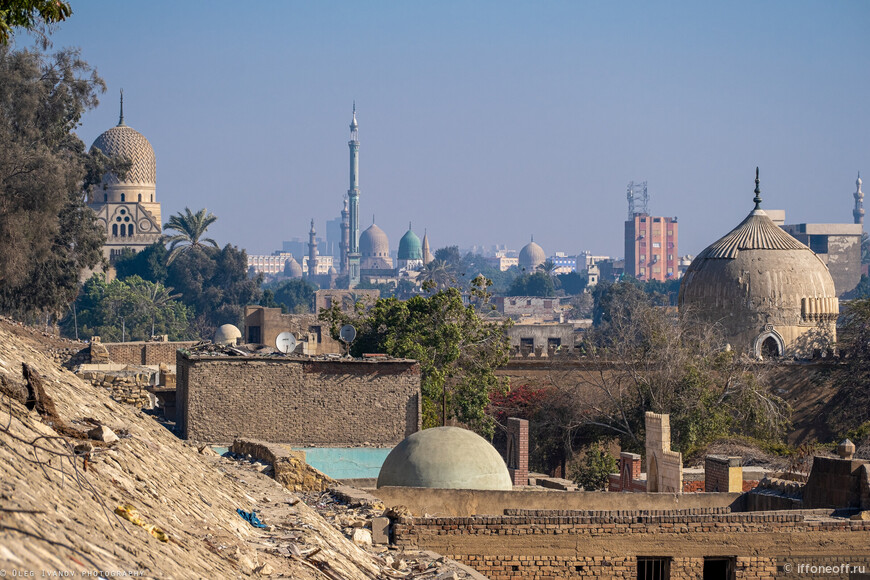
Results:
<point x="489" y="123"/>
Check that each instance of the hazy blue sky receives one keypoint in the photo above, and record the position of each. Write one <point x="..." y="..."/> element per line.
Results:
<point x="487" y="122"/>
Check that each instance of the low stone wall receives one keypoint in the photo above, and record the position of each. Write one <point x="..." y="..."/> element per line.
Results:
<point x="289" y="465"/>
<point x="467" y="502"/>
<point x="548" y="544"/>
<point x="126" y="385"/>
<point x="136" y="353"/>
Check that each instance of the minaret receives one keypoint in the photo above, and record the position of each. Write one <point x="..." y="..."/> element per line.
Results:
<point x="353" y="196"/>
<point x="427" y="255"/>
<point x="312" y="252"/>
<point x="858" y="212"/>
<point x="345" y="237"/>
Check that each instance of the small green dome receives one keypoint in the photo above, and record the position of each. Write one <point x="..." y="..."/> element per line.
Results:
<point x="410" y="247"/>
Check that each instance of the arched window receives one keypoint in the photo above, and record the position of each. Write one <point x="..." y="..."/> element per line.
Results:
<point x="130" y="230"/>
<point x="115" y="230"/>
<point x="140" y="197"/>
<point x="770" y="348"/>
<point x="152" y="197"/>
<point x="123" y="231"/>
<point x="123" y="197"/>
<point x="105" y="197"/>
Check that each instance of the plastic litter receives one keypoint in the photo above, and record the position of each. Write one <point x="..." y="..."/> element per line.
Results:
<point x="251" y="518"/>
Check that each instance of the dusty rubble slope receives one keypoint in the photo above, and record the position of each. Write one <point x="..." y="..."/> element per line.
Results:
<point x="53" y="521"/>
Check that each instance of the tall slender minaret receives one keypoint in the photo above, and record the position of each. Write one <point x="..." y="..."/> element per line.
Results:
<point x="427" y="255"/>
<point x="345" y="237"/>
<point x="353" y="196"/>
<point x="312" y="251"/>
<point x="858" y="212"/>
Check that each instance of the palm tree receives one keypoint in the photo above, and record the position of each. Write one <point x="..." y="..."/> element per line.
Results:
<point x="438" y="274"/>
<point x="190" y="227"/>
<point x="547" y="267"/>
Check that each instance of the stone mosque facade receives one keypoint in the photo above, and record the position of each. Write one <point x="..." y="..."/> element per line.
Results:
<point x="769" y="294"/>
<point x="127" y="208"/>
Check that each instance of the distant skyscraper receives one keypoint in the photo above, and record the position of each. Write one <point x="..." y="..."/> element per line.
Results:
<point x="651" y="248"/>
<point x="333" y="239"/>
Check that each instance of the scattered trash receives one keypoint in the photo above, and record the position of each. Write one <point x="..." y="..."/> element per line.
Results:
<point x="131" y="514"/>
<point x="251" y="518"/>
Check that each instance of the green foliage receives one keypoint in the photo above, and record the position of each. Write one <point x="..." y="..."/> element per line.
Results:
<point x="592" y="470"/>
<point x="132" y="309"/>
<point x="451" y="256"/>
<point x="458" y="351"/>
<point x="49" y="234"/>
<point x="294" y="296"/>
<point x="572" y="282"/>
<point x="191" y="228"/>
<point x="215" y="285"/>
<point x="34" y="15"/>
<point x="536" y="284"/>
<point x="149" y="264"/>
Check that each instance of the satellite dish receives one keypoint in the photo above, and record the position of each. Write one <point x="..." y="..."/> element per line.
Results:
<point x="347" y="333"/>
<point x="285" y="342"/>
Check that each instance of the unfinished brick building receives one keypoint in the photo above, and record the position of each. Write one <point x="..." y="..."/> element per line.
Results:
<point x="303" y="401"/>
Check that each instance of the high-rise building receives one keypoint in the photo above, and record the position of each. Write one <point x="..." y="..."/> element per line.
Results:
<point x="651" y="248"/>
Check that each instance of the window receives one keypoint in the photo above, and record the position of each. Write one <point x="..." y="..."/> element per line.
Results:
<point x="671" y="233"/>
<point x="553" y="343"/>
<point x="527" y="345"/>
<point x="115" y="229"/>
<point x="643" y="257"/>
<point x="140" y="197"/>
<point x="718" y="568"/>
<point x="653" y="568"/>
<point x="670" y="257"/>
<point x="656" y="245"/>
<point x="105" y="197"/>
<point x="643" y="271"/>
<point x="254" y="334"/>
<point x="528" y="302"/>
<point x="657" y="270"/>
<point x="123" y="197"/>
<point x="130" y="230"/>
<point x="819" y="244"/>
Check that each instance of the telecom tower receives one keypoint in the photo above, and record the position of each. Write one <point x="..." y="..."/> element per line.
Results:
<point x="638" y="199"/>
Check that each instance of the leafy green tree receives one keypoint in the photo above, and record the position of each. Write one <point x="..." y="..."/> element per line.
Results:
<point x="295" y="296"/>
<point x="593" y="469"/>
<point x="149" y="264"/>
<point x="215" y="285"/>
<point x="33" y="15"/>
<point x="49" y="234"/>
<point x="451" y="256"/>
<point x="191" y="228"/>
<point x="132" y="309"/>
<point x="572" y="283"/>
<point x="458" y="350"/>
<point x="537" y="284"/>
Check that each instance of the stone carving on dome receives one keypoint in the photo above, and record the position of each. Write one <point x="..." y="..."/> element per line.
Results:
<point x="126" y="142"/>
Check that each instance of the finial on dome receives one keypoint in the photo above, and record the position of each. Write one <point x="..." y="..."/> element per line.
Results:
<point x="859" y="182"/>
<point x="312" y="225"/>
<point x="533" y="237"/>
<point x="409" y="226"/>
<point x="373" y="219"/>
<point x="353" y="124"/>
<point x="121" y="119"/>
<point x="757" y="198"/>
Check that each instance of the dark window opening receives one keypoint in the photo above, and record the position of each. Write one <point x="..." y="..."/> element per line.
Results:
<point x="123" y="197"/>
<point x="114" y="229"/>
<point x="770" y="348"/>
<point x="719" y="568"/>
<point x="653" y="568"/>
<point x="553" y="344"/>
<point x="527" y="345"/>
<point x="819" y="244"/>
<point x="105" y="197"/>
<point x="315" y="330"/>
<point x="254" y="334"/>
<point x="130" y="230"/>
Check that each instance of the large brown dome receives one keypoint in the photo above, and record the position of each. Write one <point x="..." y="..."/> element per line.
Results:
<point x="763" y="288"/>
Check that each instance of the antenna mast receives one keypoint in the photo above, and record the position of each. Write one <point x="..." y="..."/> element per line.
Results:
<point x="638" y="199"/>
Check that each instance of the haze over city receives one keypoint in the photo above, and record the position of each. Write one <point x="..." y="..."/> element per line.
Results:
<point x="489" y="122"/>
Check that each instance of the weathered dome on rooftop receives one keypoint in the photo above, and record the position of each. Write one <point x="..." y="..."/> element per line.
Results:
<point x="126" y="142"/>
<point x="227" y="335"/>
<point x="374" y="243"/>
<point x="762" y="287"/>
<point x="292" y="268"/>
<point x="410" y="247"/>
<point x="531" y="256"/>
<point x="445" y="457"/>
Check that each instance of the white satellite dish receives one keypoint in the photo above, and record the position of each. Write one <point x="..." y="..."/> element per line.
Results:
<point x="285" y="342"/>
<point x="347" y="333"/>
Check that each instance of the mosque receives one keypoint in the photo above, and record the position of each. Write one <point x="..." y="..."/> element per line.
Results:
<point x="768" y="293"/>
<point x="127" y="208"/>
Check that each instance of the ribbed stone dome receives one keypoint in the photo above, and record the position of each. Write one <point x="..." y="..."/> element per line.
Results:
<point x="124" y="141"/>
<point x="445" y="457"/>
<point x="759" y="283"/>
<point x="531" y="256"/>
<point x="292" y="268"/>
<point x="410" y="247"/>
<point x="374" y="243"/>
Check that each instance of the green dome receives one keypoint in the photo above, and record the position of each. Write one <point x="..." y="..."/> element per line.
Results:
<point x="410" y="247"/>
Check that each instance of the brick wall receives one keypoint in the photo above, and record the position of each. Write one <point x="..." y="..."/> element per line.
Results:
<point x="722" y="473"/>
<point x="143" y="353"/>
<point x="300" y="401"/>
<point x="556" y="544"/>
